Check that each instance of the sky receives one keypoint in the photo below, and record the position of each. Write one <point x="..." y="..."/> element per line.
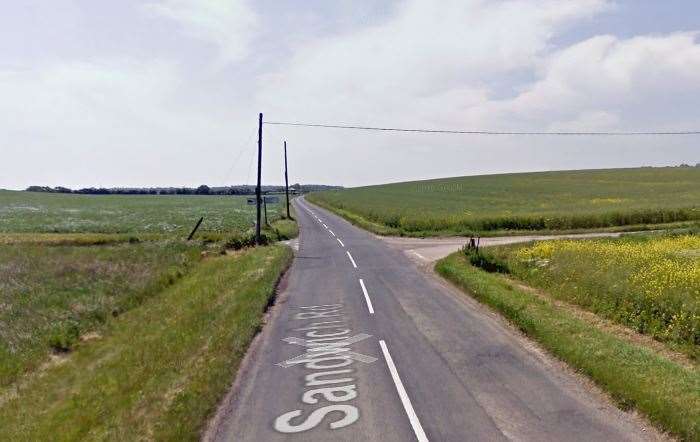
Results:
<point x="167" y="92"/>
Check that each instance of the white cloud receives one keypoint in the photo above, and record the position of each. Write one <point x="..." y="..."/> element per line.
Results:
<point x="453" y="48"/>
<point x="606" y="81"/>
<point x="109" y="122"/>
<point x="472" y="64"/>
<point x="227" y="24"/>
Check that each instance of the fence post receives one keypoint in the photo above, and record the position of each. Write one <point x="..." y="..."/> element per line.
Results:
<point x="195" y="228"/>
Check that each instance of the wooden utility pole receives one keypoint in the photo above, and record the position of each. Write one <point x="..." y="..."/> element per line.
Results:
<point x="258" y="190"/>
<point x="286" y="179"/>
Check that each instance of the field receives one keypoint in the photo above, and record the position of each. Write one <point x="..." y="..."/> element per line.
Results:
<point x="553" y="201"/>
<point x="650" y="283"/>
<point x="167" y="214"/>
<point x="112" y="325"/>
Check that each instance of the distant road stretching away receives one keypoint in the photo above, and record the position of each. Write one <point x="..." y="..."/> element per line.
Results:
<point x="362" y="346"/>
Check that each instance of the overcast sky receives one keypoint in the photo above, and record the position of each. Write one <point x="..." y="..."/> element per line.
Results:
<point x="167" y="92"/>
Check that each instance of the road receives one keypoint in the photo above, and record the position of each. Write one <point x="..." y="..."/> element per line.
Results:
<point x="429" y="250"/>
<point x="362" y="346"/>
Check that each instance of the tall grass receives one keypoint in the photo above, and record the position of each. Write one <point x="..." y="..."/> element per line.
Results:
<point x="53" y="295"/>
<point x="650" y="283"/>
<point x="161" y="370"/>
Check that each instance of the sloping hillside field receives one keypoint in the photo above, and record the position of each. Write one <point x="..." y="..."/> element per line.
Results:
<point x="563" y="200"/>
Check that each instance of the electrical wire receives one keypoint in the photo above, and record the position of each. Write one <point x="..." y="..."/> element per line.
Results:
<point x="241" y="150"/>
<point x="479" y="132"/>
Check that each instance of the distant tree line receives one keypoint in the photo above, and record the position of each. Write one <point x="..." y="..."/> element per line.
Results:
<point x="201" y="190"/>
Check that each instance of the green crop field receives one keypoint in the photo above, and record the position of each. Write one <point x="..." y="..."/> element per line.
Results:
<point x="162" y="214"/>
<point x="564" y="200"/>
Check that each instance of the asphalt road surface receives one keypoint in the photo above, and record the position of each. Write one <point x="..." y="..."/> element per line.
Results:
<point x="362" y="346"/>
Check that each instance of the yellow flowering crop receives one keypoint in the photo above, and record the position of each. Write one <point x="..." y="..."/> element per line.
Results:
<point x="652" y="284"/>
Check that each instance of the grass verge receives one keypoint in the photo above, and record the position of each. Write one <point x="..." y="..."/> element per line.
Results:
<point x="635" y="376"/>
<point x="160" y="371"/>
<point x="53" y="296"/>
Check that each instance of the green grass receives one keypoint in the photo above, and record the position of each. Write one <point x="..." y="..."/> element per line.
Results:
<point x="635" y="376"/>
<point x="650" y="283"/>
<point x="50" y="296"/>
<point x="156" y="214"/>
<point x="551" y="201"/>
<point x="160" y="371"/>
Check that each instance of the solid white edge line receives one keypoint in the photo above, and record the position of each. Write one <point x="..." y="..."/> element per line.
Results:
<point x="341" y="242"/>
<point x="367" y="300"/>
<point x="351" y="260"/>
<point x="331" y="232"/>
<point x="412" y="417"/>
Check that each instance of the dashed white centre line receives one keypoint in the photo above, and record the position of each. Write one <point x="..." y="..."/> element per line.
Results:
<point x="412" y="417"/>
<point x="331" y="232"/>
<point x="351" y="260"/>
<point x="325" y="226"/>
<point x="341" y="242"/>
<point x="367" y="300"/>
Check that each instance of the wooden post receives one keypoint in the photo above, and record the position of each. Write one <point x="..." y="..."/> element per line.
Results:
<point x="258" y="189"/>
<point x="286" y="179"/>
<point x="195" y="228"/>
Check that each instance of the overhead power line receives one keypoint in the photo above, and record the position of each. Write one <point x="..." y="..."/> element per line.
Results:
<point x="480" y="132"/>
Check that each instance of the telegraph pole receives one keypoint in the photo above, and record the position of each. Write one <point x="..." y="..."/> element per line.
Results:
<point x="286" y="179"/>
<point x="258" y="190"/>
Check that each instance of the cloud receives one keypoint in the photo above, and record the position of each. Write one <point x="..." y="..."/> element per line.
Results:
<point x="108" y="121"/>
<point x="471" y="64"/>
<point x="227" y="24"/>
<point x="481" y="65"/>
<point x="635" y="82"/>
<point x="428" y="50"/>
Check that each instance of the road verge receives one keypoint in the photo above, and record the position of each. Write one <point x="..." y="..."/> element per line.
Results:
<point x="636" y="377"/>
<point x="161" y="370"/>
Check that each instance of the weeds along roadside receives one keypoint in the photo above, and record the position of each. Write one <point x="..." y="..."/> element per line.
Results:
<point x="162" y="368"/>
<point x="635" y="376"/>
<point x="66" y="290"/>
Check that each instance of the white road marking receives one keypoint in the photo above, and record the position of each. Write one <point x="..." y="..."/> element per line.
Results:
<point x="325" y="225"/>
<point x="369" y="302"/>
<point x="331" y="232"/>
<point x="341" y="242"/>
<point x="419" y="255"/>
<point x="412" y="417"/>
<point x="351" y="260"/>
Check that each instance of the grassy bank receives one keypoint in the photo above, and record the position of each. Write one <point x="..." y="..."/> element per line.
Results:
<point x="51" y="296"/>
<point x="159" y="372"/>
<point x="543" y="201"/>
<point x="667" y="392"/>
<point x="650" y="283"/>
